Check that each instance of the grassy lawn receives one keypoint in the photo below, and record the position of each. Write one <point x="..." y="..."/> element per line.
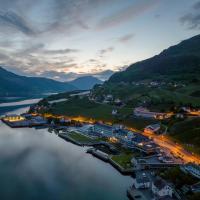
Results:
<point x="123" y="160"/>
<point x="99" y="112"/>
<point x="80" y="138"/>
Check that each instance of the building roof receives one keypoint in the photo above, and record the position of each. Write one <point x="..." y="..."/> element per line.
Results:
<point x="196" y="187"/>
<point x="142" y="179"/>
<point x="122" y="132"/>
<point x="104" y="126"/>
<point x="160" y="183"/>
<point x="140" y="138"/>
<point x="12" y="115"/>
<point x="154" y="126"/>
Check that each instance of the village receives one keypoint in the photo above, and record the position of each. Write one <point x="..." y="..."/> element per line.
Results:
<point x="143" y="155"/>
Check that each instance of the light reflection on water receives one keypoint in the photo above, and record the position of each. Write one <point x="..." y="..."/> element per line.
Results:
<point x="35" y="164"/>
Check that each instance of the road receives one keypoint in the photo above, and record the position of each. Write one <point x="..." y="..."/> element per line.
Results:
<point x="176" y="149"/>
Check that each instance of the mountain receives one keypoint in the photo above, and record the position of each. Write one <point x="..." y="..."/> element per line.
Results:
<point x="66" y="77"/>
<point x="161" y="82"/>
<point x="15" y="85"/>
<point x="179" y="62"/>
<point x="85" y="82"/>
<point x="104" y="75"/>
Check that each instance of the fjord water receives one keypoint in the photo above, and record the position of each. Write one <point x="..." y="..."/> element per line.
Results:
<point x="36" y="164"/>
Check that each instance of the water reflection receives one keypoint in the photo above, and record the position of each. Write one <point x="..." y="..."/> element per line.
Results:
<point x="35" y="164"/>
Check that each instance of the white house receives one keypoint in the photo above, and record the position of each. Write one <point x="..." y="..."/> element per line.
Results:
<point x="161" y="188"/>
<point x="141" y="182"/>
<point x="153" y="128"/>
<point x="114" y="112"/>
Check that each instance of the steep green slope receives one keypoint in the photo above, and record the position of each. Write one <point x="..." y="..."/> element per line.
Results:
<point x="168" y="79"/>
<point x="180" y="63"/>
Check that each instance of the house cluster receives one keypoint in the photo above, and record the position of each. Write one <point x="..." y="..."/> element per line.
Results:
<point x="153" y="188"/>
<point x="144" y="112"/>
<point x="156" y="83"/>
<point x="128" y="139"/>
<point x="37" y="108"/>
<point x="109" y="98"/>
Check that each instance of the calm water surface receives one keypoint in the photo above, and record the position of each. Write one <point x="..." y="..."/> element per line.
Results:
<point x="35" y="164"/>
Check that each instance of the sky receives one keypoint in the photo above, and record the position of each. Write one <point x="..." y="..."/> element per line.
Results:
<point x="64" y="39"/>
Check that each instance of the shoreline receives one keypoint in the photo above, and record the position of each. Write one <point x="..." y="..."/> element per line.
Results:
<point x="107" y="159"/>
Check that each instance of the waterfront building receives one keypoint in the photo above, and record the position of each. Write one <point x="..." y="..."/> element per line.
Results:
<point x="161" y="188"/>
<point x="141" y="143"/>
<point x="141" y="181"/>
<point x="13" y="118"/>
<point x="103" y="130"/>
<point x="38" y="120"/>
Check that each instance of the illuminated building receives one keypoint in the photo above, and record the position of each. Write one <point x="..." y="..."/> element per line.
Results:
<point x="13" y="118"/>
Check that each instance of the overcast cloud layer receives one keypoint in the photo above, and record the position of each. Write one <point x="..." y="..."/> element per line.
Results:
<point x="63" y="39"/>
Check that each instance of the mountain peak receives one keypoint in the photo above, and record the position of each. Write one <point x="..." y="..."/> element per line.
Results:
<point x="85" y="82"/>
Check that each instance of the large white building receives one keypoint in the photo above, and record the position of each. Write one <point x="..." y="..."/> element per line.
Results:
<point x="144" y="112"/>
<point x="153" y="128"/>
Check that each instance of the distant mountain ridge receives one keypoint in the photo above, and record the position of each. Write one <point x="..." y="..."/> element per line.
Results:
<point x="15" y="85"/>
<point x="179" y="62"/>
<point x="85" y="82"/>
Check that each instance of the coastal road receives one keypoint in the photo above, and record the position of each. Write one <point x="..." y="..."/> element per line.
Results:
<point x="176" y="149"/>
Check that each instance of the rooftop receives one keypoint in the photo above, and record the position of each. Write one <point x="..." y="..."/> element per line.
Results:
<point x="160" y="183"/>
<point x="104" y="126"/>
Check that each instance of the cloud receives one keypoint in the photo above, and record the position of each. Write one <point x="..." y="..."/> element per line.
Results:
<point x="192" y="19"/>
<point x="13" y="20"/>
<point x="196" y="6"/>
<point x="126" y="38"/>
<point x="63" y="76"/>
<point x="61" y="51"/>
<point x="107" y="50"/>
<point x="126" y="14"/>
<point x="3" y="57"/>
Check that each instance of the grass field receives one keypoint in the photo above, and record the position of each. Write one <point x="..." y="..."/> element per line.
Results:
<point x="99" y="112"/>
<point x="123" y="160"/>
<point x="161" y="98"/>
<point x="79" y="137"/>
